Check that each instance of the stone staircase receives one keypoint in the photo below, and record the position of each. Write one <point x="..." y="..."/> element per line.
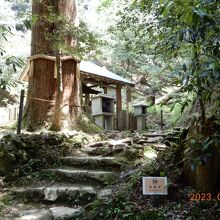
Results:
<point x="76" y="183"/>
<point x="79" y="180"/>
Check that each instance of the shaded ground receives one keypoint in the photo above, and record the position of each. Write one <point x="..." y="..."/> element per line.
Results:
<point x="128" y="201"/>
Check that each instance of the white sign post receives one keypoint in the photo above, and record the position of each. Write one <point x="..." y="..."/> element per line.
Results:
<point x="154" y="185"/>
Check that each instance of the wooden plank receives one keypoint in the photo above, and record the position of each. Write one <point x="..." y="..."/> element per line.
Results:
<point x="135" y="123"/>
<point x="122" y="120"/>
<point x="131" y="121"/>
<point x="125" y="120"/>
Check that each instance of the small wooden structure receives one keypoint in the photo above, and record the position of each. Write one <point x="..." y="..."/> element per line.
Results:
<point x="140" y="112"/>
<point x="92" y="76"/>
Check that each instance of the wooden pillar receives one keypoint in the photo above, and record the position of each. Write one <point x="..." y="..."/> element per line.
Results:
<point x="118" y="103"/>
<point x="128" y="100"/>
<point x="78" y="86"/>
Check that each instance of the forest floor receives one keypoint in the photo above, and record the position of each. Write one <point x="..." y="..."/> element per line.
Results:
<point x="149" y="156"/>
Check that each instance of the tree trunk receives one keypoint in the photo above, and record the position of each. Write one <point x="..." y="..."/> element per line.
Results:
<point x="43" y="88"/>
<point x="40" y="42"/>
<point x="199" y="85"/>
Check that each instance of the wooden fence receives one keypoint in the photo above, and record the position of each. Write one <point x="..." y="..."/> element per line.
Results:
<point x="127" y="121"/>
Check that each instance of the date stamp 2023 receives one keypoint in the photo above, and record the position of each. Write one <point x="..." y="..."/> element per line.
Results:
<point x="204" y="197"/>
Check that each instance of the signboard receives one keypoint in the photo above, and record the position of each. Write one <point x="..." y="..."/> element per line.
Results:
<point x="154" y="185"/>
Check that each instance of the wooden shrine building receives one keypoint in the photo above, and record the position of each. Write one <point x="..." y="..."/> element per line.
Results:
<point x="95" y="81"/>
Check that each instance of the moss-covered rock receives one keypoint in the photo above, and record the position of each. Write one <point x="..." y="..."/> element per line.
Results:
<point x="6" y="160"/>
<point x="85" y="124"/>
<point x="26" y="153"/>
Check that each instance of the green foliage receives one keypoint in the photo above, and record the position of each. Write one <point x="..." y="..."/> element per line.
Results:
<point x="9" y="64"/>
<point x="105" y="4"/>
<point x="8" y="70"/>
<point x="22" y="8"/>
<point x="5" y="30"/>
<point x="127" y="51"/>
<point x="187" y="34"/>
<point x="117" y="208"/>
<point x="85" y="41"/>
<point x="166" y="43"/>
<point x="201" y="149"/>
<point x="6" y="200"/>
<point x="134" y="178"/>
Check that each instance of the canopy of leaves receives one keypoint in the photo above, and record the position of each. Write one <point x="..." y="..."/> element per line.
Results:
<point x="171" y="42"/>
<point x="9" y="64"/>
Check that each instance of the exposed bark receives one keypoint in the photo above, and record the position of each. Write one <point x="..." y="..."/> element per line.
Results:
<point x="40" y="42"/>
<point x="201" y="103"/>
<point x="59" y="88"/>
<point x="199" y="85"/>
<point x="42" y="92"/>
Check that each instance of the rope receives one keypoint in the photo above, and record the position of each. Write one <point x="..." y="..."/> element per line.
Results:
<point x="53" y="58"/>
<point x="45" y="100"/>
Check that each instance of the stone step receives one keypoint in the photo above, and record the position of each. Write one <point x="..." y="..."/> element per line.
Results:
<point x="95" y="161"/>
<point x="84" y="176"/>
<point x="152" y="140"/>
<point x="151" y="135"/>
<point x="54" y="213"/>
<point x="105" y="151"/>
<point x="95" y="151"/>
<point x="156" y="146"/>
<point x="159" y="147"/>
<point x="72" y="194"/>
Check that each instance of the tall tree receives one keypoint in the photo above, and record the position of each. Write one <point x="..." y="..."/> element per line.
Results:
<point x="42" y="92"/>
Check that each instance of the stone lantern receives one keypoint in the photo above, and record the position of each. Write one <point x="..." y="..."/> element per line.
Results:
<point x="103" y="111"/>
<point x="140" y="112"/>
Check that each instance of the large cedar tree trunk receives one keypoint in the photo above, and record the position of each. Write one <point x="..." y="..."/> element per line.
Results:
<point x="42" y="88"/>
